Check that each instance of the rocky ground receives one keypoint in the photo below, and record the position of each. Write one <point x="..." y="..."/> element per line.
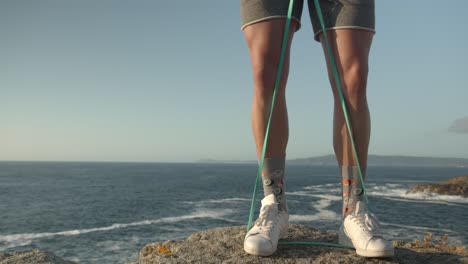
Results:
<point x="33" y="256"/>
<point x="224" y="245"/>
<point x="454" y="186"/>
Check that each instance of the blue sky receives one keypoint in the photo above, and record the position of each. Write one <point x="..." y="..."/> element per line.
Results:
<point x="170" y="81"/>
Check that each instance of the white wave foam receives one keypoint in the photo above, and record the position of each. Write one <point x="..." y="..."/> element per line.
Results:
<point x="308" y="194"/>
<point x="321" y="205"/>
<point x="323" y="215"/>
<point x="300" y="193"/>
<point x="320" y="186"/>
<point x="328" y="197"/>
<point x="329" y="187"/>
<point x="409" y="200"/>
<point x="304" y="218"/>
<point x="405" y="227"/>
<point x="27" y="238"/>
<point x="400" y="191"/>
<point x="387" y="191"/>
<point x="77" y="260"/>
<point x="225" y="200"/>
<point x="112" y="245"/>
<point x="410" y="181"/>
<point x="117" y="245"/>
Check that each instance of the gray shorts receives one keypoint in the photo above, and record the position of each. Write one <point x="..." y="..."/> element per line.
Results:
<point x="359" y="14"/>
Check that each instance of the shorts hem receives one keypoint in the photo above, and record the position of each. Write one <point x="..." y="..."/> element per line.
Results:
<point x="342" y="27"/>
<point x="269" y="18"/>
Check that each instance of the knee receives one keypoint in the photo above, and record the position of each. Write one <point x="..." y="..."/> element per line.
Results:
<point x="355" y="84"/>
<point x="264" y="66"/>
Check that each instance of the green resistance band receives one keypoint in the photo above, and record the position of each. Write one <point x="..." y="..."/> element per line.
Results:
<point x="345" y="112"/>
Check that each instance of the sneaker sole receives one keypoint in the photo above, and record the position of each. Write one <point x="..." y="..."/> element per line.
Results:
<point x="375" y="254"/>
<point x="344" y="240"/>
<point x="253" y="251"/>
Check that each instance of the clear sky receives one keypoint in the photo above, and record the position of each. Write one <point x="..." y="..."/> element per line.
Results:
<point x="115" y="80"/>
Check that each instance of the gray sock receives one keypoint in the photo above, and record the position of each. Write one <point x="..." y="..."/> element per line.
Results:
<point x="351" y="187"/>
<point x="273" y="179"/>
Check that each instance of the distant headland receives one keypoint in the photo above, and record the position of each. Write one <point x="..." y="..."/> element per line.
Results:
<point x="373" y="160"/>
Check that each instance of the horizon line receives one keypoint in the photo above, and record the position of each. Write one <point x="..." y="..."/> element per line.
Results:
<point x="201" y="160"/>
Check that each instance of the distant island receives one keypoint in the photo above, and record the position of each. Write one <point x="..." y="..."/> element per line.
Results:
<point x="373" y="160"/>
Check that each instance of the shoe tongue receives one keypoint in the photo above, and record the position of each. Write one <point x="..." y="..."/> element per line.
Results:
<point x="361" y="208"/>
<point x="269" y="199"/>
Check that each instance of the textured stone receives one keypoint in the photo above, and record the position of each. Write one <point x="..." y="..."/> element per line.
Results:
<point x="454" y="186"/>
<point x="225" y="245"/>
<point x="36" y="256"/>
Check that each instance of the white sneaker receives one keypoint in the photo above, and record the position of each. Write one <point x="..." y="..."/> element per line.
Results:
<point x="271" y="225"/>
<point x="361" y="230"/>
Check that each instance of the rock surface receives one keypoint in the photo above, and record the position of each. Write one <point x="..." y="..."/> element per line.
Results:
<point x="36" y="256"/>
<point x="454" y="186"/>
<point x="224" y="245"/>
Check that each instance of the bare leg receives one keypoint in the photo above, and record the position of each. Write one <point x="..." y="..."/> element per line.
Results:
<point x="351" y="50"/>
<point x="264" y="42"/>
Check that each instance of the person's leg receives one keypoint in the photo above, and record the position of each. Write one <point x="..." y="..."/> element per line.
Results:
<point x="264" y="41"/>
<point x="263" y="24"/>
<point x="360" y="228"/>
<point x="350" y="28"/>
<point x="351" y="50"/>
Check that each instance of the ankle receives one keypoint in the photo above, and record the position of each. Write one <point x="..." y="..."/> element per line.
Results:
<point x="352" y="188"/>
<point x="273" y="179"/>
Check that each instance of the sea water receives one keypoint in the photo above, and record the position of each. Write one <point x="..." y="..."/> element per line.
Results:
<point x="106" y="212"/>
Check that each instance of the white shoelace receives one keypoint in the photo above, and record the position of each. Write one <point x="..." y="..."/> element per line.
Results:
<point x="267" y="218"/>
<point x="368" y="222"/>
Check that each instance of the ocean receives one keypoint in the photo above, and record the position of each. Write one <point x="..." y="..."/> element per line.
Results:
<point x="106" y="212"/>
